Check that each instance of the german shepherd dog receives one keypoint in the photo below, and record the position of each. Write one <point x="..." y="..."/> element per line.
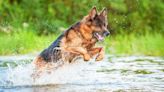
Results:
<point x="78" y="40"/>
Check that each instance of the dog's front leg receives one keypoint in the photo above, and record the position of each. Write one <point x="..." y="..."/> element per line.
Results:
<point x="79" y="50"/>
<point x="99" y="51"/>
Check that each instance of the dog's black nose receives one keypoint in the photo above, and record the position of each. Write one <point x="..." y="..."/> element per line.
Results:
<point x="106" y="33"/>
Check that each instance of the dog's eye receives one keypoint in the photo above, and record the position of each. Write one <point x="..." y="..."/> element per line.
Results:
<point x="90" y="20"/>
<point x="104" y="24"/>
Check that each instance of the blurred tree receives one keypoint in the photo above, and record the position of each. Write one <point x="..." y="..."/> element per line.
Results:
<point x="47" y="16"/>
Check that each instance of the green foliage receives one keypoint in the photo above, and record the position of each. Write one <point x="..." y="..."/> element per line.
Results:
<point x="22" y="42"/>
<point x="136" y="25"/>
<point x="148" y="44"/>
<point x="47" y="16"/>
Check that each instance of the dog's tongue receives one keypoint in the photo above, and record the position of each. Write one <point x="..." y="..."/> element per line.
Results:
<point x="99" y="37"/>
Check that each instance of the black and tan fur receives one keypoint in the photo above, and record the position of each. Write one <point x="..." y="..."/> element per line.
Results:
<point x="78" y="40"/>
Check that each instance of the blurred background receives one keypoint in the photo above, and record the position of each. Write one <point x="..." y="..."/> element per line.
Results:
<point x="29" y="26"/>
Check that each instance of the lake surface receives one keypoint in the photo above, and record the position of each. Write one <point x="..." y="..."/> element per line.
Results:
<point x="113" y="74"/>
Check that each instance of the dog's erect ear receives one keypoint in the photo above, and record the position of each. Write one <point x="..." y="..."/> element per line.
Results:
<point x="104" y="13"/>
<point x="93" y="12"/>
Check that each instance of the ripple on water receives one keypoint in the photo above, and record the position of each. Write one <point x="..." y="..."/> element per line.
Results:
<point x="115" y="73"/>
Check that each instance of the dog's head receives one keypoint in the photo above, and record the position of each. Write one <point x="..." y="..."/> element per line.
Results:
<point x="97" y="23"/>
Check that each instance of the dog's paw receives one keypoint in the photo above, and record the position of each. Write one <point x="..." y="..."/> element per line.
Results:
<point x="99" y="57"/>
<point x="87" y="57"/>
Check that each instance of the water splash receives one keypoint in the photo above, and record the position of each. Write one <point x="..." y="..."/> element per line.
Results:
<point x="115" y="73"/>
<point x="21" y="75"/>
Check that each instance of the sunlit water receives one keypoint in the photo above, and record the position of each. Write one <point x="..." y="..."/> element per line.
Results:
<point x="114" y="73"/>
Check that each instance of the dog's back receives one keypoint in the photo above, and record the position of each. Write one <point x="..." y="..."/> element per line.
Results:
<point x="53" y="52"/>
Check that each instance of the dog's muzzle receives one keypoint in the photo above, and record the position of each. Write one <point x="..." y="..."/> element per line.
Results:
<point x="101" y="35"/>
<point x="106" y="33"/>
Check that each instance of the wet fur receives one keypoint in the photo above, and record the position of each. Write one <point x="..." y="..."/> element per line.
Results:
<point x="77" y="41"/>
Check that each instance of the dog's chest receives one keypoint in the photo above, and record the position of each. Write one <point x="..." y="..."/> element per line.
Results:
<point x="88" y="43"/>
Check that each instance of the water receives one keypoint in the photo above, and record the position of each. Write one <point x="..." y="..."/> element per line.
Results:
<point x="114" y="74"/>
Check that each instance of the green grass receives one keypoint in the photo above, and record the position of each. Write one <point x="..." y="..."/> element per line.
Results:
<point x="23" y="42"/>
<point x="149" y="44"/>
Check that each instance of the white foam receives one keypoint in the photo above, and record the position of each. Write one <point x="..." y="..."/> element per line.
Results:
<point x="68" y="73"/>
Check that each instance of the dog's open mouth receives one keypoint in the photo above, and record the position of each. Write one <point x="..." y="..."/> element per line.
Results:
<point x="99" y="36"/>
